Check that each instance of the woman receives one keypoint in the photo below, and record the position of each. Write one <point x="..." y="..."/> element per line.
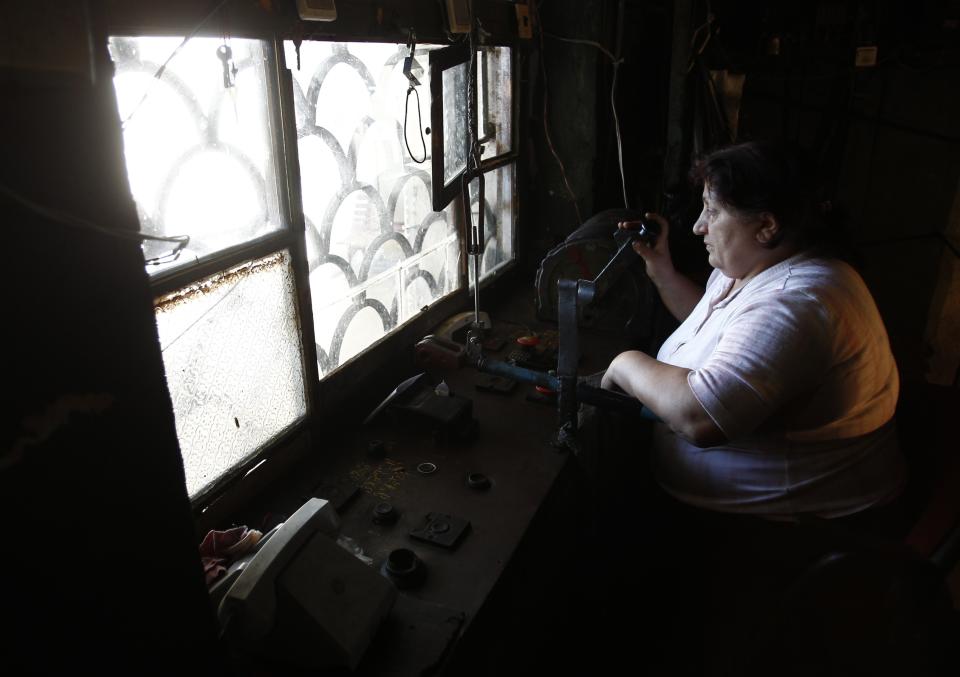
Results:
<point x="777" y="391"/>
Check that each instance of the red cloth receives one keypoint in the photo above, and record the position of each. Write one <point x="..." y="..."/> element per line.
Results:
<point x="219" y="548"/>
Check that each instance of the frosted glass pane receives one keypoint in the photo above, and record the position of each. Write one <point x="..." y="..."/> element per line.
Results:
<point x="377" y="251"/>
<point x="499" y="214"/>
<point x="199" y="154"/>
<point x="232" y="352"/>
<point x="455" y="130"/>
<point x="495" y="105"/>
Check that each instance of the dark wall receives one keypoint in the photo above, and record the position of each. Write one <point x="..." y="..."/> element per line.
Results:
<point x="887" y="137"/>
<point x="100" y="548"/>
<point x="579" y="81"/>
<point x="100" y="566"/>
<point x="100" y="552"/>
<point x="555" y="200"/>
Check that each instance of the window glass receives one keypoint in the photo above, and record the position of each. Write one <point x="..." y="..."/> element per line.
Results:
<point x="377" y="251"/>
<point x="232" y="352"/>
<point x="199" y="155"/>
<point x="495" y="103"/>
<point x="456" y="143"/>
<point x="499" y="213"/>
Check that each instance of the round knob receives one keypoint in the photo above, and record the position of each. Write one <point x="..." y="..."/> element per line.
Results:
<point x="384" y="513"/>
<point x="404" y="568"/>
<point x="478" y="481"/>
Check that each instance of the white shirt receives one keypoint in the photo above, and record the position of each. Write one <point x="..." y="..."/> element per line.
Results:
<point x="795" y="368"/>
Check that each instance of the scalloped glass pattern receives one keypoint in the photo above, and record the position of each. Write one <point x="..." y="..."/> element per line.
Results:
<point x="199" y="155"/>
<point x="495" y="103"/>
<point x="499" y="196"/>
<point x="233" y="357"/>
<point x="377" y="252"/>
<point x="456" y="143"/>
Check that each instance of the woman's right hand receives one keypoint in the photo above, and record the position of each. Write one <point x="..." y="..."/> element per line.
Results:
<point x="656" y="258"/>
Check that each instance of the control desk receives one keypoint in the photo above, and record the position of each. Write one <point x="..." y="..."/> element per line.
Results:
<point x="469" y="501"/>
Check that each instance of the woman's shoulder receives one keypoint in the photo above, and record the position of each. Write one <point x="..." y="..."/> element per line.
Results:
<point x="825" y="291"/>
<point x="824" y="278"/>
<point x="804" y="286"/>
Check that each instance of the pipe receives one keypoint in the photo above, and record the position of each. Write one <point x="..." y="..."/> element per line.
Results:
<point x="512" y="371"/>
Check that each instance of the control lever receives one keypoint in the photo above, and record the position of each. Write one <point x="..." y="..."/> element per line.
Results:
<point x="648" y="232"/>
<point x="573" y="295"/>
<point x="435" y="351"/>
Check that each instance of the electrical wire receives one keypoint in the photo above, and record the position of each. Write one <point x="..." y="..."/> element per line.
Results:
<point x="579" y="41"/>
<point x="202" y="315"/>
<point x="66" y="219"/>
<point x="615" y="61"/>
<point x="616" y="127"/>
<point x="708" y="24"/>
<point x="163" y="66"/>
<point x="423" y="142"/>
<point x="475" y="240"/>
<point x="471" y="90"/>
<point x="546" y="123"/>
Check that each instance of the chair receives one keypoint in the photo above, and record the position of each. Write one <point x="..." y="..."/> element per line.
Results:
<point x="875" y="607"/>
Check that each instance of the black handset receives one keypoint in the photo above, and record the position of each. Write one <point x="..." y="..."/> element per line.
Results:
<point x="648" y="232"/>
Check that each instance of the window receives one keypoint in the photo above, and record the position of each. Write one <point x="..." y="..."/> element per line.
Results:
<point x="377" y="251"/>
<point x="495" y="132"/>
<point x="234" y="366"/>
<point x="203" y="160"/>
<point x="490" y="72"/>
<point x="200" y="157"/>
<point x="208" y="157"/>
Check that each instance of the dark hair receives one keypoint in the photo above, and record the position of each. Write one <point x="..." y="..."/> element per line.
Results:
<point x="766" y="176"/>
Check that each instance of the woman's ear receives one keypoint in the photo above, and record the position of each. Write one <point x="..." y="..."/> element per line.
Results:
<point x="768" y="232"/>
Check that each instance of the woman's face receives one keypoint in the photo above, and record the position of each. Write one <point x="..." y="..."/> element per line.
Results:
<point x="730" y="237"/>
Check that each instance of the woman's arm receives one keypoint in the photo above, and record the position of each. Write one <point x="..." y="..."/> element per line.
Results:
<point x="665" y="391"/>
<point x="679" y="293"/>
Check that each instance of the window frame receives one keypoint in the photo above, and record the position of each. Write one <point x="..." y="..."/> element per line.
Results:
<point x="323" y="397"/>
<point x="441" y="60"/>
<point x="289" y="236"/>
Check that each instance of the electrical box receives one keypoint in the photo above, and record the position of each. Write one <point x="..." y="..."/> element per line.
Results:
<point x="866" y="57"/>
<point x="317" y="10"/>
<point x="458" y="16"/>
<point x="524" y="29"/>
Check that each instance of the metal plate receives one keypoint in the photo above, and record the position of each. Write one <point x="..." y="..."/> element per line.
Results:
<point x="441" y="529"/>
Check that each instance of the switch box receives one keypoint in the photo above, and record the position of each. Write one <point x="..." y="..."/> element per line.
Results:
<point x="317" y="10"/>
<point x="458" y="16"/>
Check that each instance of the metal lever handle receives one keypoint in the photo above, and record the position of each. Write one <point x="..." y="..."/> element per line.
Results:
<point x="435" y="351"/>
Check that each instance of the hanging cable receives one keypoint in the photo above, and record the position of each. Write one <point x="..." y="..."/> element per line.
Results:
<point x="615" y="61"/>
<point x="423" y="142"/>
<point x="474" y="170"/>
<point x="203" y="315"/>
<point x="66" y="219"/>
<point x="546" y="124"/>
<point x="410" y="70"/>
<point x="696" y="51"/>
<point x="616" y="127"/>
<point x="579" y="41"/>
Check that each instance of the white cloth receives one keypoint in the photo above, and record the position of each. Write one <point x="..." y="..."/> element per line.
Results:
<point x="795" y="368"/>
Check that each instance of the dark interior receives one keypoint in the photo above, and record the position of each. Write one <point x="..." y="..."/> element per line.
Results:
<point x="101" y="557"/>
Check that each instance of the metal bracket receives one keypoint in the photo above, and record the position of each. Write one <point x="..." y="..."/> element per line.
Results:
<point x="410" y="65"/>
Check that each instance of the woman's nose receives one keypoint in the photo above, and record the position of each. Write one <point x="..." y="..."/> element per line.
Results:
<point x="698" y="227"/>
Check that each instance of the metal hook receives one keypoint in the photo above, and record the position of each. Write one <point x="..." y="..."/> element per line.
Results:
<point x="410" y="65"/>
